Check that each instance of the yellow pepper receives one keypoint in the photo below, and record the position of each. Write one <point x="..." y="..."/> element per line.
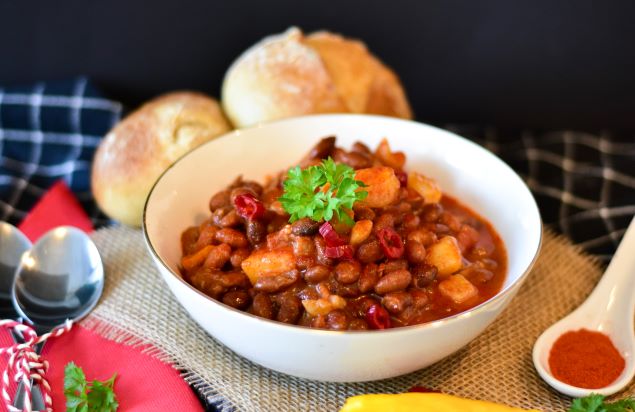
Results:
<point x="424" y="402"/>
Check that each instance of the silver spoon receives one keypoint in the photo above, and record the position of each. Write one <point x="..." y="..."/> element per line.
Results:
<point x="609" y="309"/>
<point x="60" y="278"/>
<point x="13" y="244"/>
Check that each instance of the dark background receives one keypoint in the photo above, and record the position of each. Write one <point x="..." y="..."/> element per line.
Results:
<point x="529" y="64"/>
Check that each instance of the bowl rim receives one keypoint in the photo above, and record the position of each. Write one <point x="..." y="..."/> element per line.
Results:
<point x="298" y="328"/>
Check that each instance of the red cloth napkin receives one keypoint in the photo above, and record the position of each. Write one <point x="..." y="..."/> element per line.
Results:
<point x="58" y="207"/>
<point x="143" y="382"/>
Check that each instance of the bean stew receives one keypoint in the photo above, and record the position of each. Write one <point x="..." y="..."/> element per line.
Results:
<point x="403" y="254"/>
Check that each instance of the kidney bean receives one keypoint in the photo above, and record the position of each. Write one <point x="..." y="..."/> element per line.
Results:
<point x="322" y="149"/>
<point x="347" y="272"/>
<point x="232" y="237"/>
<point x="303" y="246"/>
<point x="238" y="299"/>
<point x="337" y="320"/>
<point x="392" y="265"/>
<point x="419" y="298"/>
<point x="238" y="256"/>
<point x="272" y="284"/>
<point x="188" y="240"/>
<point x="316" y="274"/>
<point x="423" y="275"/>
<point x="411" y="221"/>
<point x="207" y="236"/>
<point x="364" y="213"/>
<point x="220" y="199"/>
<point x="370" y="251"/>
<point x="233" y="280"/>
<point x="256" y="232"/>
<point x="384" y="221"/>
<point x="290" y="308"/>
<point x="205" y="281"/>
<point x="218" y="256"/>
<point x="431" y="212"/>
<point x="415" y="252"/>
<point x="396" y="302"/>
<point x="356" y="160"/>
<point x="262" y="306"/>
<point x="230" y="219"/>
<point x="368" y="278"/>
<point x="393" y="281"/>
<point x="320" y="247"/>
<point x="360" y="147"/>
<point x="357" y="324"/>
<point x="423" y="236"/>
<point x="305" y="227"/>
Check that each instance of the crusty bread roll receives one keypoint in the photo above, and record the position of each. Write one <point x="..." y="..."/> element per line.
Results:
<point x="138" y="149"/>
<point x="291" y="74"/>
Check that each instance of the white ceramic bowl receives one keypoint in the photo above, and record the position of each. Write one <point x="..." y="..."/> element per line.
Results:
<point x="463" y="169"/>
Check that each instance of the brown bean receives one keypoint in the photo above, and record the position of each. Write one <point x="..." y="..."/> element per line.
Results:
<point x="392" y="265"/>
<point x="256" y="232"/>
<point x="218" y="256"/>
<point x="220" y="199"/>
<point x="233" y="280"/>
<point x="316" y="274"/>
<point x="423" y="236"/>
<point x="423" y="275"/>
<point x="238" y="299"/>
<point x="319" y="322"/>
<point x="188" y="240"/>
<point x="337" y="320"/>
<point x="305" y="227"/>
<point x="207" y="235"/>
<point x="360" y="147"/>
<point x="238" y="256"/>
<point x="396" y="302"/>
<point x="320" y="247"/>
<point x="431" y="212"/>
<point x="384" y="221"/>
<point x="364" y="213"/>
<point x="347" y="271"/>
<point x="322" y="149"/>
<point x="262" y="306"/>
<point x="290" y="308"/>
<point x="450" y="221"/>
<point x="230" y="219"/>
<point x="232" y="237"/>
<point x="305" y="262"/>
<point x="467" y="237"/>
<point x="357" y="324"/>
<point x="419" y="298"/>
<point x="438" y="228"/>
<point x="368" y="278"/>
<point x="347" y="291"/>
<point x="204" y="279"/>
<point x="356" y="160"/>
<point x="393" y="282"/>
<point x="411" y="221"/>
<point x="477" y="275"/>
<point x="370" y="251"/>
<point x="415" y="252"/>
<point x="272" y="284"/>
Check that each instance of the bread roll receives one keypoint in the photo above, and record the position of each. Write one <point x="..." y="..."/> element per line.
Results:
<point x="291" y="74"/>
<point x="138" y="149"/>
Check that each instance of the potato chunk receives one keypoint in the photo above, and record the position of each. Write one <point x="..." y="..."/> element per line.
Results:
<point x="457" y="288"/>
<point x="361" y="231"/>
<point x="445" y="255"/>
<point x="383" y="186"/>
<point x="268" y="263"/>
<point x="323" y="306"/>
<point x="425" y="187"/>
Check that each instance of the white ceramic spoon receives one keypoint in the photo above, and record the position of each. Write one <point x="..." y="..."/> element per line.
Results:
<point x="609" y="309"/>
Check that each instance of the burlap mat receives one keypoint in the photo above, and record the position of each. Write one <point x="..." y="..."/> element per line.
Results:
<point x="138" y="308"/>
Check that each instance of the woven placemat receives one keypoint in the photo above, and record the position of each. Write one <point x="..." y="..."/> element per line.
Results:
<point x="137" y="308"/>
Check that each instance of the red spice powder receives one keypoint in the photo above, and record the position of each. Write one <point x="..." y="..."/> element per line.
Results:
<point x="585" y="359"/>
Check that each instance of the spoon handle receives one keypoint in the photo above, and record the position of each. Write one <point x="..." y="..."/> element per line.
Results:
<point x="616" y="289"/>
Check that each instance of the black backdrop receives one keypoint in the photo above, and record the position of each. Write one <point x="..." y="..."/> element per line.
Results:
<point x="535" y="64"/>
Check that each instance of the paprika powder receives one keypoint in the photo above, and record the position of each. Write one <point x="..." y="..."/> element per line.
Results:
<point x="585" y="359"/>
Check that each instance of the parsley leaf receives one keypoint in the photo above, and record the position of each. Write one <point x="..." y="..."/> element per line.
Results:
<point x="82" y="396"/>
<point x="595" y="403"/>
<point x="321" y="192"/>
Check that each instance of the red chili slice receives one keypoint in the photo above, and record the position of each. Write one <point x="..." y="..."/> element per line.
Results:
<point x="377" y="317"/>
<point x="330" y="235"/>
<point x="390" y="243"/>
<point x="249" y="207"/>
<point x="339" y="252"/>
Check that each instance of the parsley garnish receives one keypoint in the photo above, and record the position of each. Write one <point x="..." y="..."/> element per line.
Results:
<point x="595" y="403"/>
<point x="82" y="396"/>
<point x="321" y="192"/>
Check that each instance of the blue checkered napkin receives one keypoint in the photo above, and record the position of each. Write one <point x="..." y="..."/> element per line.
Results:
<point x="584" y="183"/>
<point x="49" y="131"/>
